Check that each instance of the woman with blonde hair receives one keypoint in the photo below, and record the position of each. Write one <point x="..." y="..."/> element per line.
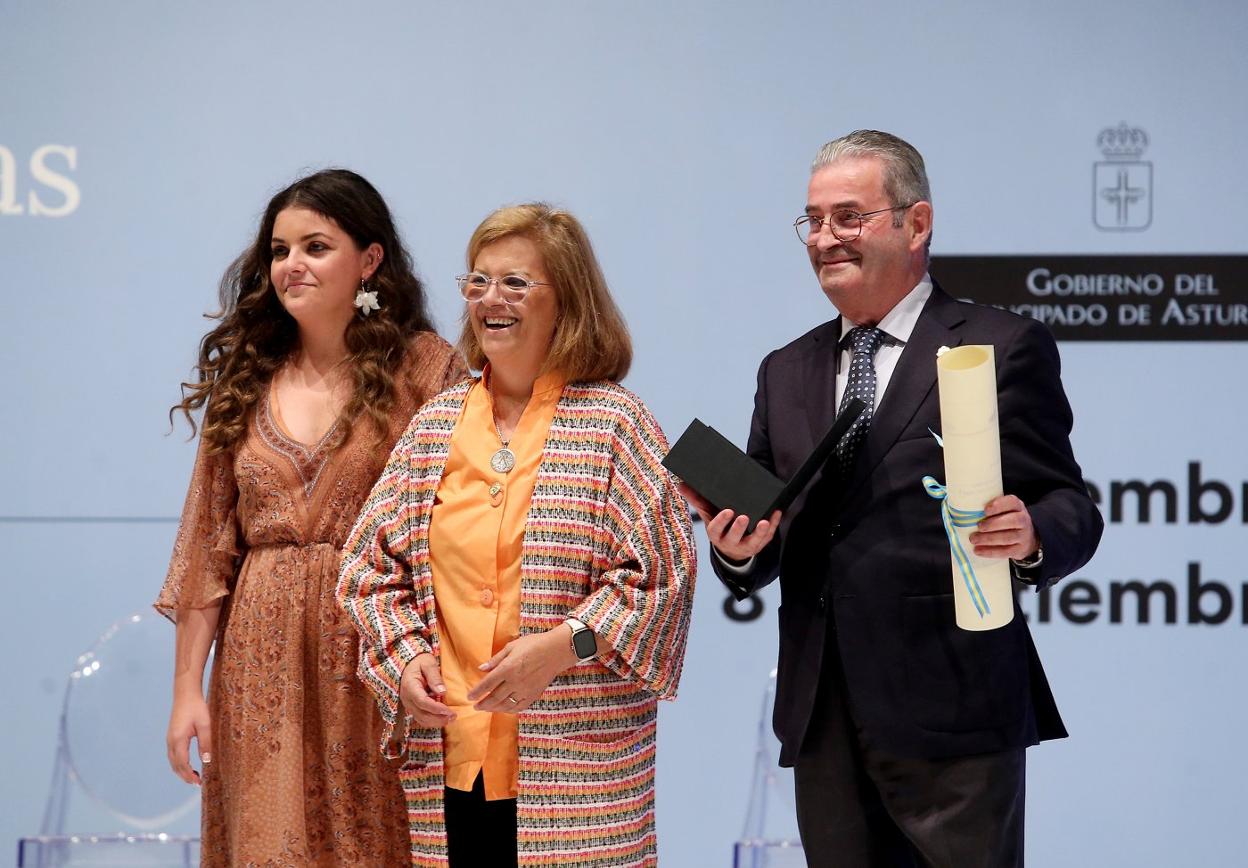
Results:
<point x="522" y="575"/>
<point x="323" y="352"/>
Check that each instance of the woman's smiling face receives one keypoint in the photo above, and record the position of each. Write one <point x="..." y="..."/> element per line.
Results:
<point x="518" y="332"/>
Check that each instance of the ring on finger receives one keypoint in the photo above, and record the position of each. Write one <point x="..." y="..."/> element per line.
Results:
<point x="512" y="699"/>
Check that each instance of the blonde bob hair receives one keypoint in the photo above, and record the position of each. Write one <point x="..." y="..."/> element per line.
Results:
<point x="591" y="340"/>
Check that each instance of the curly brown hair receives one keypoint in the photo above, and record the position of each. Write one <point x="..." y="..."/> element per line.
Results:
<point x="237" y="358"/>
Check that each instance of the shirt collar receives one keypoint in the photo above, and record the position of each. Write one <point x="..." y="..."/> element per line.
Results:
<point x="898" y="323"/>
<point x="547" y="383"/>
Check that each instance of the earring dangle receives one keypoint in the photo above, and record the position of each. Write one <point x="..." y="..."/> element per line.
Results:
<point x="366" y="300"/>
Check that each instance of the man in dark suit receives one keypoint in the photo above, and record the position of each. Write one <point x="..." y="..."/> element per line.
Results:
<point x="906" y="733"/>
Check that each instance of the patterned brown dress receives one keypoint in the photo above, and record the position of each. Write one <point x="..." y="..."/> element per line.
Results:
<point x="296" y="777"/>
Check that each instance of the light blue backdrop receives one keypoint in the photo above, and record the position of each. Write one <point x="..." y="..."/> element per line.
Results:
<point x="681" y="134"/>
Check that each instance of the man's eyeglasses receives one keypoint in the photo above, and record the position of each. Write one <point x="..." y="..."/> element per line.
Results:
<point x="845" y="224"/>
<point x="511" y="288"/>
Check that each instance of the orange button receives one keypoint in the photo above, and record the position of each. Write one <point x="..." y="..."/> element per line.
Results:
<point x="487" y="597"/>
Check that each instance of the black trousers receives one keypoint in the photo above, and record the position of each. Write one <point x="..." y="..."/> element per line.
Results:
<point x="479" y="834"/>
<point x="861" y="807"/>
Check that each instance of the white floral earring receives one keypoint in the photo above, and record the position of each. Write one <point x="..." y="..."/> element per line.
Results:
<point x="366" y="300"/>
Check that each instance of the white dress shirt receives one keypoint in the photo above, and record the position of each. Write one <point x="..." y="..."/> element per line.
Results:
<point x="898" y="324"/>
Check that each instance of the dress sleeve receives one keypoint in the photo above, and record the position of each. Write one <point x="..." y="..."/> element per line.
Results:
<point x="375" y="589"/>
<point x="209" y="543"/>
<point x="454" y="369"/>
<point x="432" y="366"/>
<point x="640" y="606"/>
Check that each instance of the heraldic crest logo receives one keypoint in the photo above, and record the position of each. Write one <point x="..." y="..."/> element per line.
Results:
<point x="1122" y="183"/>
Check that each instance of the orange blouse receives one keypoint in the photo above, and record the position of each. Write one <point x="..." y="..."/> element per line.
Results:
<point x="475" y="536"/>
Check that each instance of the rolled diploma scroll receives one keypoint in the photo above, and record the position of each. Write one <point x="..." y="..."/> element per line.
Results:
<point x="967" y="380"/>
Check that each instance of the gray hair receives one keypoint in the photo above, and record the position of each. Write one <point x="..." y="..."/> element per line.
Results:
<point x="905" y="177"/>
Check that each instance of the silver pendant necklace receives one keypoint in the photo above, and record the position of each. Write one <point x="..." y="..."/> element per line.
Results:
<point x="503" y="460"/>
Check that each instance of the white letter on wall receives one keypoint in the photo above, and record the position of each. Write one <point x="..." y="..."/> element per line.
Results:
<point x="8" y="183"/>
<point x="63" y="185"/>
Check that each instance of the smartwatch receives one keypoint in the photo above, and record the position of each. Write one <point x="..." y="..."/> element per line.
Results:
<point x="584" y="642"/>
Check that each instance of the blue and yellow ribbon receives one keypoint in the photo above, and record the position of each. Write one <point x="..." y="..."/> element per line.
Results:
<point x="955" y="518"/>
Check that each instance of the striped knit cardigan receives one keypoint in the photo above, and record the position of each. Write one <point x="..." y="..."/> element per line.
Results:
<point x="608" y="541"/>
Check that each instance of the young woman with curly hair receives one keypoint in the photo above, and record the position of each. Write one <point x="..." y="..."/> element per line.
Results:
<point x="323" y="352"/>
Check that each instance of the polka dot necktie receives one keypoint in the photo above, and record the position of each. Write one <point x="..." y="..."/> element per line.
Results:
<point x="864" y="340"/>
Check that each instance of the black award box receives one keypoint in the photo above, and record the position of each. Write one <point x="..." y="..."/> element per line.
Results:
<point x="715" y="468"/>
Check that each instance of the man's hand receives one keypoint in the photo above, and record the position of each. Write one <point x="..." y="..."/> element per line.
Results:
<point x="726" y="530"/>
<point x="1005" y="531"/>
<point x="421" y="690"/>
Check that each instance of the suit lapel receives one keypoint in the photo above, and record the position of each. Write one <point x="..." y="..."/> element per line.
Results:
<point x="820" y="372"/>
<point x="911" y="381"/>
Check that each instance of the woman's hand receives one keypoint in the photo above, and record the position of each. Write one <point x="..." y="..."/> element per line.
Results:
<point x="422" y="691"/>
<point x="189" y="719"/>
<point x="521" y="672"/>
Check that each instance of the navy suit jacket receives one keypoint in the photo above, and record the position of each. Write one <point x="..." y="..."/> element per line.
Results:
<point x="866" y="563"/>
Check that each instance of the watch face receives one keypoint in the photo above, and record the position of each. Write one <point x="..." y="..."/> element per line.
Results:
<point x="584" y="643"/>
